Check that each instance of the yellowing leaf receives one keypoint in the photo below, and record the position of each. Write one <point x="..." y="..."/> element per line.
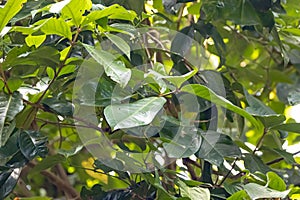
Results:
<point x="88" y="164"/>
<point x="35" y="40"/>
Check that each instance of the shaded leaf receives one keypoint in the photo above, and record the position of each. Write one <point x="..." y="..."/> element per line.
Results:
<point x="8" y="180"/>
<point x="32" y="144"/>
<point x="57" y="106"/>
<point x="253" y="163"/>
<point x="291" y="127"/>
<point x="216" y="146"/>
<point x="10" y="106"/>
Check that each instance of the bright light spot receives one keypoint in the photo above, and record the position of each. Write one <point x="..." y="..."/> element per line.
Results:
<point x="160" y="160"/>
<point x="250" y="133"/>
<point x="71" y="170"/>
<point x="272" y="95"/>
<point x="214" y="60"/>
<point x="229" y="167"/>
<point x="255" y="54"/>
<point x="293" y="112"/>
<point x="243" y="64"/>
<point x="90" y="183"/>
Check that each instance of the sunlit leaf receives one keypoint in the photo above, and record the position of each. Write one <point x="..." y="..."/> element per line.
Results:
<point x="205" y="93"/>
<point x="138" y="113"/>
<point x="58" y="27"/>
<point x="256" y="191"/>
<point x="113" y="68"/>
<point x="11" y="8"/>
<point x="75" y="9"/>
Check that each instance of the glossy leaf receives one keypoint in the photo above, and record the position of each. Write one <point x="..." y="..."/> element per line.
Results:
<point x="8" y="180"/>
<point x="11" y="8"/>
<point x="113" y="68"/>
<point x="10" y="106"/>
<point x="135" y="114"/>
<point x="256" y="191"/>
<point x="32" y="144"/>
<point x="205" y="93"/>
<point x="120" y="43"/>
<point x="60" y="107"/>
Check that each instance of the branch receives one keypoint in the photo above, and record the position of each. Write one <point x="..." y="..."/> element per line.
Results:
<point x="59" y="183"/>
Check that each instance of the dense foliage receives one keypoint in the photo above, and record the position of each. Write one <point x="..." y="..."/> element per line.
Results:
<point x="160" y="99"/>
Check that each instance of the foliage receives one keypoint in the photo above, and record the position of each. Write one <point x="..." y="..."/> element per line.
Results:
<point x="158" y="99"/>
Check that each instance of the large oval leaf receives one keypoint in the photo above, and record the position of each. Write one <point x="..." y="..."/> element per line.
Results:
<point x="10" y="106"/>
<point x="116" y="70"/>
<point x="139" y="113"/>
<point x="206" y="93"/>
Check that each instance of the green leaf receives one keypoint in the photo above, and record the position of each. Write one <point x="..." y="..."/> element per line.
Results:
<point x="240" y="195"/>
<point x="185" y="143"/>
<point x="32" y="40"/>
<point x="216" y="146"/>
<point x="26" y="117"/>
<point x="256" y="191"/>
<point x="275" y="182"/>
<point x="253" y="163"/>
<point x="193" y="193"/>
<point x="113" y="68"/>
<point x="120" y="43"/>
<point x="112" y="12"/>
<point x="11" y="8"/>
<point x="8" y="180"/>
<point x="58" y="27"/>
<point x="57" y="106"/>
<point x="205" y="93"/>
<point x="10" y="106"/>
<point x="291" y="127"/>
<point x="138" y="113"/>
<point x="32" y="144"/>
<point x="75" y="10"/>
<point x="175" y="80"/>
<point x="264" y="113"/>
<point x="71" y="152"/>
